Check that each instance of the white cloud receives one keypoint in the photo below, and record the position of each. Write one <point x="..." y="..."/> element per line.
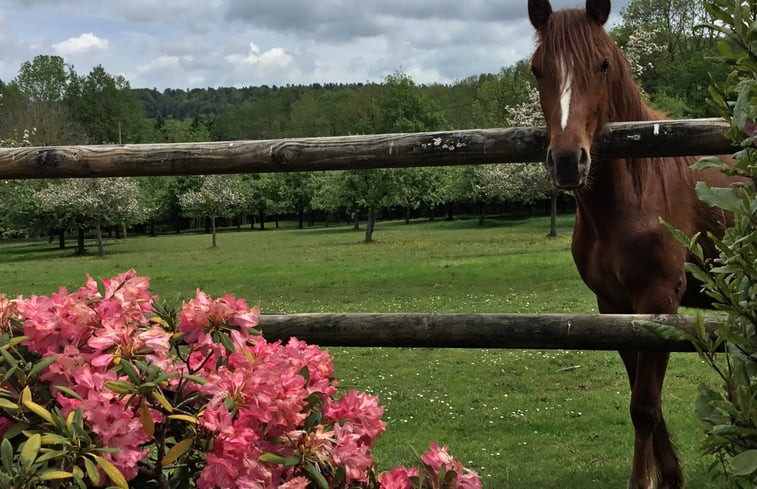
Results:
<point x="82" y="44"/>
<point x="274" y="57"/>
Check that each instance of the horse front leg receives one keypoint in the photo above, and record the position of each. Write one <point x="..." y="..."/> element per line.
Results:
<point x="656" y="464"/>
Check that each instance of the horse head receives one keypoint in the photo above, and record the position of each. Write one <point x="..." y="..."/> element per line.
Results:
<point x="572" y="63"/>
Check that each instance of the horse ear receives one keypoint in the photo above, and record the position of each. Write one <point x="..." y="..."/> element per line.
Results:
<point x="599" y="10"/>
<point x="539" y="12"/>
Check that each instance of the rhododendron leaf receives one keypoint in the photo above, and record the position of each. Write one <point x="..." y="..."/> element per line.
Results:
<point x="121" y="387"/>
<point x="26" y="394"/>
<point x="6" y="455"/>
<point x="8" y="405"/>
<point x="30" y="450"/>
<point x="16" y="340"/>
<point x="39" y="411"/>
<point x="162" y="401"/>
<point x="159" y="320"/>
<point x="196" y="379"/>
<point x="128" y="369"/>
<point x="8" y="357"/>
<point x="54" y="474"/>
<point x="315" y="476"/>
<point x="177" y="451"/>
<point x="92" y="472"/>
<point x="112" y="472"/>
<point x="340" y="476"/>
<point x="225" y="340"/>
<point x="184" y="417"/>
<point x="15" y="430"/>
<point x="254" y="332"/>
<point x="53" y="439"/>
<point x="10" y="373"/>
<point x="52" y="454"/>
<point x="275" y="458"/>
<point x="70" y="392"/>
<point x="146" y="418"/>
<point x="305" y="373"/>
<point x="41" y="365"/>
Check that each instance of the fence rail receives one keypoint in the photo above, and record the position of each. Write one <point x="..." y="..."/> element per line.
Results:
<point x="527" y="331"/>
<point x="479" y="146"/>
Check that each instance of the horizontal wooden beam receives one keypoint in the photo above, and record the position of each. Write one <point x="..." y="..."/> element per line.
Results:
<point x="479" y="146"/>
<point x="543" y="332"/>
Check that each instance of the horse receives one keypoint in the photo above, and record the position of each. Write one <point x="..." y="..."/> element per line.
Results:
<point x="622" y="252"/>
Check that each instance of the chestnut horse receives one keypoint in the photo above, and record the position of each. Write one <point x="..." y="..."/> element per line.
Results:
<point x="623" y="254"/>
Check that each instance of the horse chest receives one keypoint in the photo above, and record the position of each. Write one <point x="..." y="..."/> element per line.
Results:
<point x="625" y="266"/>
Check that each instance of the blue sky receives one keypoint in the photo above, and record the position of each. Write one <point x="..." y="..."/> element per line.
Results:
<point x="211" y="43"/>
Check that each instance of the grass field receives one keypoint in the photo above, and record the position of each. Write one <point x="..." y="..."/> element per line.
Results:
<point x="522" y="418"/>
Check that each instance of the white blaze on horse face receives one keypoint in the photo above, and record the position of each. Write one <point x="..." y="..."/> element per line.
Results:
<point x="566" y="90"/>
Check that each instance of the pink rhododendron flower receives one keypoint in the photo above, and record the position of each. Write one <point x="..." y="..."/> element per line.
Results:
<point x="397" y="478"/>
<point x="261" y="400"/>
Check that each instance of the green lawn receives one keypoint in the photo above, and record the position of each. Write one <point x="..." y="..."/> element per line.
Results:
<point x="522" y="418"/>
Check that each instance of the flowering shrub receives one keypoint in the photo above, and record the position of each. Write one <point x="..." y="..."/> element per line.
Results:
<point x="106" y="384"/>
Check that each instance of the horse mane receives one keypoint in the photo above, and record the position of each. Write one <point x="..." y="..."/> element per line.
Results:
<point x="584" y="44"/>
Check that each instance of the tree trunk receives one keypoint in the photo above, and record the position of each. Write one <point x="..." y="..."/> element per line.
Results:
<point x="300" y="218"/>
<point x="61" y="238"/>
<point x="252" y="222"/>
<point x="123" y="229"/>
<point x="355" y="221"/>
<point x="481" y="213"/>
<point x="152" y="228"/>
<point x="369" y="224"/>
<point x="553" y="216"/>
<point x="407" y="214"/>
<point x="213" y="228"/>
<point x="99" y="234"/>
<point x="80" y="250"/>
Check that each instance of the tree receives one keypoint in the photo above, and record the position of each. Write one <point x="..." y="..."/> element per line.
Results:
<point x="44" y="79"/>
<point x="107" y="108"/>
<point x="217" y="196"/>
<point x="82" y="203"/>
<point x="677" y="72"/>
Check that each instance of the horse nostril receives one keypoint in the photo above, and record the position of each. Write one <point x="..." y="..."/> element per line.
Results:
<point x="550" y="159"/>
<point x="583" y="156"/>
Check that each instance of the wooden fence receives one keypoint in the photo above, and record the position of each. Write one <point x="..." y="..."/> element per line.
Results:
<point x="480" y="146"/>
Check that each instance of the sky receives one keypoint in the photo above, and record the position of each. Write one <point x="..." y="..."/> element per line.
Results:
<point x="220" y="43"/>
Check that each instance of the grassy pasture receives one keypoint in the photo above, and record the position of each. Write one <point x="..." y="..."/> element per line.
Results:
<point x="522" y="418"/>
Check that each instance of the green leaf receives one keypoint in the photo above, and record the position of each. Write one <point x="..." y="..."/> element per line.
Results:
<point x="30" y="450"/>
<point x="40" y="366"/>
<point x="177" y="451"/>
<point x="69" y="392"/>
<point x="724" y="198"/>
<point x="745" y="463"/>
<point x="8" y="405"/>
<point x="665" y="331"/>
<point x="130" y="371"/>
<point x="92" y="472"/>
<point x="315" y="476"/>
<point x="225" y="340"/>
<point x="196" y="379"/>
<point x="121" y="387"/>
<point x="111" y="471"/>
<point x="54" y="474"/>
<point x="709" y="162"/>
<point x="6" y="455"/>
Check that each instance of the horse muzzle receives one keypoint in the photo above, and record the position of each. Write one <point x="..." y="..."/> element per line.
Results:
<point x="568" y="169"/>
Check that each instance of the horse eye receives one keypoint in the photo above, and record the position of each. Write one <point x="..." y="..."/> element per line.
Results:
<point x="535" y="71"/>
<point x="603" y="67"/>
